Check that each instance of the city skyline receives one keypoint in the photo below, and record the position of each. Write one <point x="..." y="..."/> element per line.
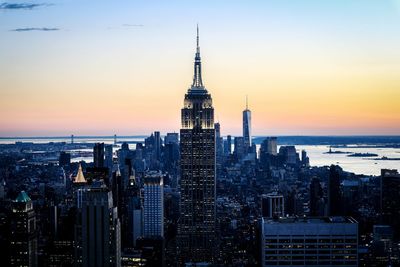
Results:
<point x="295" y="163"/>
<point x="96" y="73"/>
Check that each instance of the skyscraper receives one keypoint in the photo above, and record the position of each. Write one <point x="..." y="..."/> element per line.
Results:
<point x="157" y="145"/>
<point x="390" y="199"/>
<point x="108" y="157"/>
<point x="196" y="229"/>
<point x="316" y="198"/>
<point x="23" y="235"/>
<point x="228" y="146"/>
<point x="334" y="195"/>
<point x="153" y="205"/>
<point x="98" y="155"/>
<point x="247" y="127"/>
<point x="219" y="149"/>
<point x="97" y="228"/>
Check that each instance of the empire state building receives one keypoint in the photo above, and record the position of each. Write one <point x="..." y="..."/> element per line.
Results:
<point x="196" y="229"/>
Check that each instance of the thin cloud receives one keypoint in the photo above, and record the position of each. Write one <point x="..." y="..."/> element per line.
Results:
<point x="44" y="29"/>
<point x="132" y="25"/>
<point x="16" y="6"/>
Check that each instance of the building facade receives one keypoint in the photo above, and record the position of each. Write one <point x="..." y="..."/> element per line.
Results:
<point x="390" y="199"/>
<point x="325" y="241"/>
<point x="98" y="155"/>
<point x="97" y="228"/>
<point x="153" y="205"/>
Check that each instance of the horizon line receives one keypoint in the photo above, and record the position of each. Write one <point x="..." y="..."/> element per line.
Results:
<point x="146" y="135"/>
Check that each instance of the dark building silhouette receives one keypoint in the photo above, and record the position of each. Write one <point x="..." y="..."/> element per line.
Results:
<point x="334" y="194"/>
<point x="289" y="154"/>
<point x="239" y="148"/>
<point x="64" y="159"/>
<point x="157" y="145"/>
<point x="98" y="155"/>
<point x="219" y="149"/>
<point x="390" y="199"/>
<point x="316" y="198"/>
<point x="305" y="160"/>
<point x="196" y="229"/>
<point x="23" y="234"/>
<point x="108" y="157"/>
<point x="228" y="146"/>
<point x="97" y="228"/>
<point x="153" y="250"/>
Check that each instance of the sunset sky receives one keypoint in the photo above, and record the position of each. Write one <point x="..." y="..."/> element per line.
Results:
<point x="104" y="67"/>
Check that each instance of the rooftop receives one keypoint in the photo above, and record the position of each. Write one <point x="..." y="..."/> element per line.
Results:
<point x="22" y="197"/>
<point x="310" y="220"/>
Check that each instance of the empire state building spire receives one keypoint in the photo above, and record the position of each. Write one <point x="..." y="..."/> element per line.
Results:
<point x="197" y="82"/>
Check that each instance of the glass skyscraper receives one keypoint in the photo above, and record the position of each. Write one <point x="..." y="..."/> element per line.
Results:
<point x="247" y="127"/>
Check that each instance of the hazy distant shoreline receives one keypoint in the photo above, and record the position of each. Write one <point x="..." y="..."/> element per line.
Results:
<point x="378" y="141"/>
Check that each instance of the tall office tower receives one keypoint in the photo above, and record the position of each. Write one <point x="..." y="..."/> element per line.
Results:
<point x="306" y="241"/>
<point x="219" y="145"/>
<point x="132" y="217"/>
<point x="228" y="145"/>
<point x="272" y="146"/>
<point x="23" y="235"/>
<point x="268" y="153"/>
<point x="272" y="205"/>
<point x="97" y="228"/>
<point x="153" y="205"/>
<point x="390" y="199"/>
<point x="98" y="155"/>
<point x="157" y="145"/>
<point x="316" y="198"/>
<point x="247" y="127"/>
<point x="289" y="154"/>
<point x="305" y="160"/>
<point x="334" y="195"/>
<point x="239" y="150"/>
<point x="219" y="149"/>
<point x="196" y="230"/>
<point x="108" y="157"/>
